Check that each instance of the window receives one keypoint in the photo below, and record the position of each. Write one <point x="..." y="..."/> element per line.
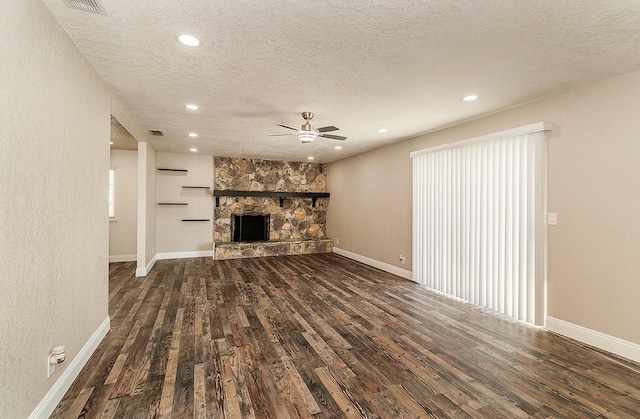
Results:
<point x="112" y="193"/>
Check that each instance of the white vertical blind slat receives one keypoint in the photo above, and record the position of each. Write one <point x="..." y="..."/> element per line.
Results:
<point x="112" y="193"/>
<point x="531" y="255"/>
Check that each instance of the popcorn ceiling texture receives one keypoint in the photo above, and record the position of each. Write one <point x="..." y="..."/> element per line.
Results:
<point x="358" y="64"/>
<point x="295" y="222"/>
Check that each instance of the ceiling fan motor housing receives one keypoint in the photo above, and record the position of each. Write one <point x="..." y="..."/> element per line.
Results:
<point x="307" y="117"/>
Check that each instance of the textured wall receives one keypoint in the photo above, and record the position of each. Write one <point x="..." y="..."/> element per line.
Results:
<point x="151" y="210"/>
<point x="122" y="233"/>
<point x="593" y="178"/>
<point x="297" y="219"/>
<point x="147" y="156"/>
<point x="54" y="162"/>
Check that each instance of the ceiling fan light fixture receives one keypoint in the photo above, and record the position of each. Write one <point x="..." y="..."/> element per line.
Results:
<point x="307" y="136"/>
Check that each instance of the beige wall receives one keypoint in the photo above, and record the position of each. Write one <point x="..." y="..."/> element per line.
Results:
<point x="174" y="235"/>
<point x="146" y="241"/>
<point x="368" y="210"/>
<point x="54" y="162"/>
<point x="593" y="185"/>
<point x="122" y="232"/>
<point x="151" y="208"/>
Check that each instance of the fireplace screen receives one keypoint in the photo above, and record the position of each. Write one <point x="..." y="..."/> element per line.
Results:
<point x="250" y="227"/>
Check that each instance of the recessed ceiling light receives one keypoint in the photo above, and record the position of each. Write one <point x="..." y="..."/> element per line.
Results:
<point x="338" y="147"/>
<point x="310" y="157"/>
<point x="383" y="130"/>
<point x="192" y="107"/>
<point x="193" y="134"/>
<point x="188" y="39"/>
<point x="193" y="149"/>
<point x="470" y="98"/>
<point x="110" y="142"/>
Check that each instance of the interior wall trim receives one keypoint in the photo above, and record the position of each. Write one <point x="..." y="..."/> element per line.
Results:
<point x="123" y="258"/>
<point x="56" y="392"/>
<point x="144" y="271"/>
<point x="185" y="255"/>
<point x="404" y="273"/>
<point x="600" y="340"/>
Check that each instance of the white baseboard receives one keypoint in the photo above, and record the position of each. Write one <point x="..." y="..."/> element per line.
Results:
<point x="173" y="255"/>
<point x="144" y="271"/>
<point x="184" y="255"/>
<point x="123" y="258"/>
<point x="600" y="340"/>
<point x="54" y="395"/>
<point x="404" y="273"/>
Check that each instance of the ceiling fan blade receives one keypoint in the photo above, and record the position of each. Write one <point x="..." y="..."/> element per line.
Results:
<point x="333" y="137"/>
<point x="328" y="129"/>
<point x="277" y="135"/>
<point x="284" y="126"/>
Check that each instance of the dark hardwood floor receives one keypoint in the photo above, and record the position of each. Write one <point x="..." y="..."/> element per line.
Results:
<point x="324" y="336"/>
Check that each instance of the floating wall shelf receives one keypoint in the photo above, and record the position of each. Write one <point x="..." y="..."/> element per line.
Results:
<point x="195" y="219"/>
<point x="164" y="169"/>
<point x="282" y="195"/>
<point x="196" y="187"/>
<point x="172" y="203"/>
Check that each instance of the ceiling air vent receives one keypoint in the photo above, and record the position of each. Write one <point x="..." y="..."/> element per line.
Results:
<point x="156" y="132"/>
<point x="91" y="6"/>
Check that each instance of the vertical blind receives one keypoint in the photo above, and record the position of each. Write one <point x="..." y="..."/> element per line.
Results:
<point x="112" y="193"/>
<point x="478" y="234"/>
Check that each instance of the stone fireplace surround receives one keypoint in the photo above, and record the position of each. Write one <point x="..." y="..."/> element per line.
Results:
<point x="296" y="226"/>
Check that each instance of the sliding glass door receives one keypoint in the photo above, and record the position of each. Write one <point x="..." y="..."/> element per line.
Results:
<point x="478" y="221"/>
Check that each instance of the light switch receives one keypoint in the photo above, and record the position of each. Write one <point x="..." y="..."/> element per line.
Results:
<point x="552" y="218"/>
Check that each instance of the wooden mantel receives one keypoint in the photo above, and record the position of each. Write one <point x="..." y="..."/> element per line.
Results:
<point x="272" y="194"/>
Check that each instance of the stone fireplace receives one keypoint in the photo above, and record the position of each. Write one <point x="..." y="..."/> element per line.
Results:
<point x="292" y="194"/>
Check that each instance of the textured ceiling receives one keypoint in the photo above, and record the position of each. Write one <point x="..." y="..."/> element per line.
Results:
<point x="120" y="137"/>
<point x="359" y="65"/>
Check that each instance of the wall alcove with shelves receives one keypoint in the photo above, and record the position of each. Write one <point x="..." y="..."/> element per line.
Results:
<point x="184" y="202"/>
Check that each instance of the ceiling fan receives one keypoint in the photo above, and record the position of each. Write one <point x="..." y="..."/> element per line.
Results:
<point x="307" y="133"/>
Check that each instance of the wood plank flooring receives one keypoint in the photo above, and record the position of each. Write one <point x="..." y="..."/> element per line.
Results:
<point x="323" y="336"/>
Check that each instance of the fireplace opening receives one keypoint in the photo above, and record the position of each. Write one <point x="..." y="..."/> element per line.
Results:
<point x="250" y="227"/>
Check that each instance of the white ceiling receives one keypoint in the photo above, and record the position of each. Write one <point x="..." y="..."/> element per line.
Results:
<point x="121" y="139"/>
<point x="360" y="65"/>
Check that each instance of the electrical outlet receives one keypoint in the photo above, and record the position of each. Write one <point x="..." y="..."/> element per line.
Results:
<point x="337" y="241"/>
<point x="402" y="259"/>
<point x="57" y="356"/>
<point x="50" y="367"/>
